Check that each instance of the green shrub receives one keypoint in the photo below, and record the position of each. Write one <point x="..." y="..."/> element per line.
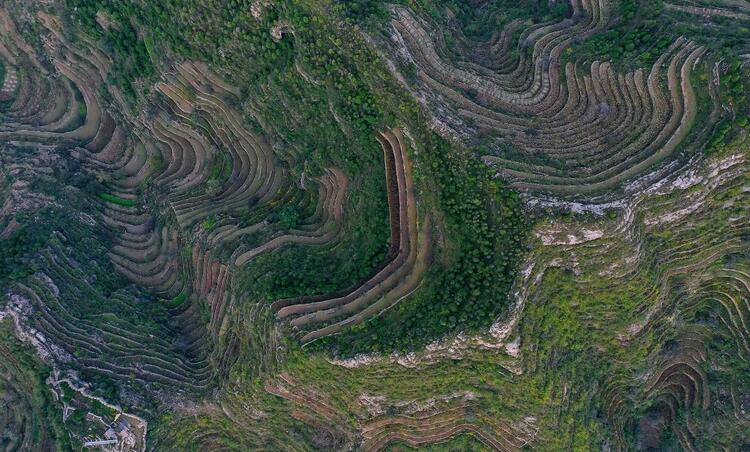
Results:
<point x="116" y="200"/>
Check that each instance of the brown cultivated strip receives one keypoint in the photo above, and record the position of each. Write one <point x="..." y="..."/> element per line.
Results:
<point x="437" y="425"/>
<point x="255" y="176"/>
<point x="332" y="196"/>
<point x="397" y="279"/>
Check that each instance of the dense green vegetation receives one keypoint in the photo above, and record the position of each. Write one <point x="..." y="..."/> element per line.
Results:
<point x="642" y="30"/>
<point x="639" y="37"/>
<point x="732" y="93"/>
<point x="29" y="415"/>
<point x="114" y="28"/>
<point x="488" y="232"/>
<point x="153" y="30"/>
<point x="17" y="250"/>
<point x="479" y="20"/>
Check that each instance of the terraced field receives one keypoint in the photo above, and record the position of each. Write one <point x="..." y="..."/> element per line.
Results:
<point x="565" y="128"/>
<point x="407" y="258"/>
<point x="326" y="225"/>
